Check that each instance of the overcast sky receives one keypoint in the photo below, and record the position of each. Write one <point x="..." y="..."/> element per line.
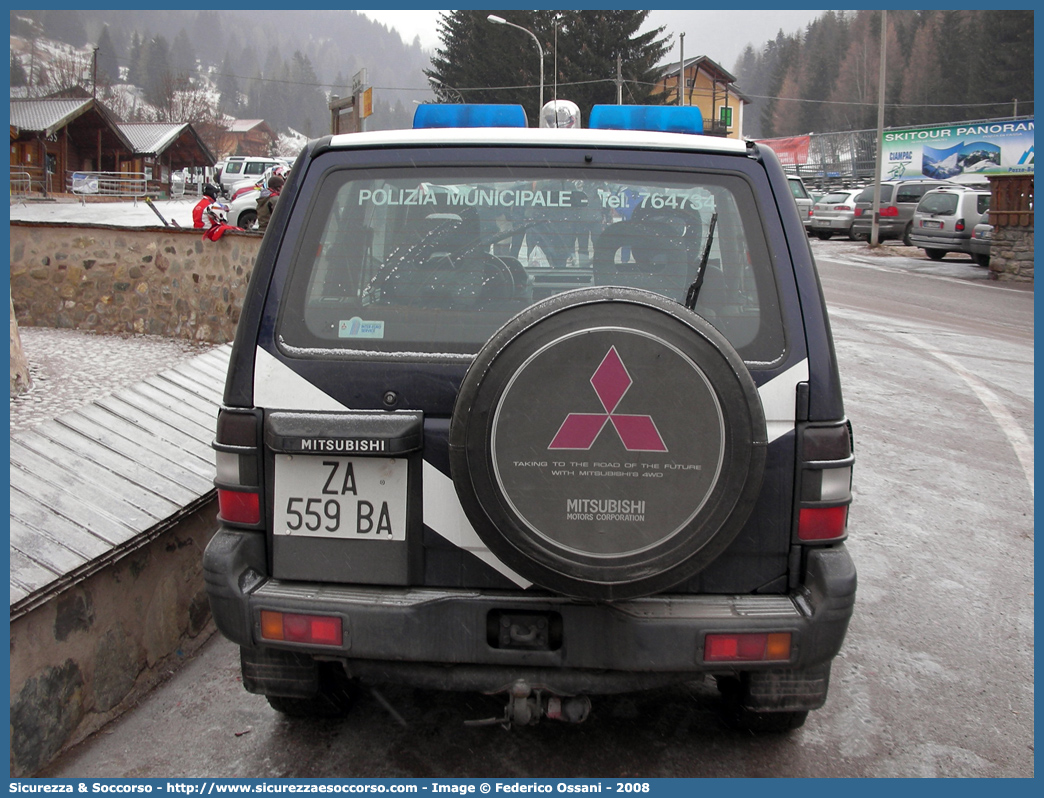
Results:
<point x="719" y="35"/>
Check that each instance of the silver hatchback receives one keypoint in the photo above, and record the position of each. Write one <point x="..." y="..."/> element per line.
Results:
<point x="945" y="218"/>
<point x="833" y="214"/>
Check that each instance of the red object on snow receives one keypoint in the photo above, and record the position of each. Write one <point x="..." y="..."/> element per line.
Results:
<point x="218" y="230"/>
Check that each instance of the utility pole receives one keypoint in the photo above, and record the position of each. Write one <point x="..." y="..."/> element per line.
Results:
<point x="619" y="79"/>
<point x="94" y="73"/>
<point x="681" y="67"/>
<point x="875" y="227"/>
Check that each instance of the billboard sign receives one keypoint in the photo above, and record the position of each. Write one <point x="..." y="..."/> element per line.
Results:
<point x="966" y="150"/>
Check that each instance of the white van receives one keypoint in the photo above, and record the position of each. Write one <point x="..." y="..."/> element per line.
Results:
<point x="245" y="167"/>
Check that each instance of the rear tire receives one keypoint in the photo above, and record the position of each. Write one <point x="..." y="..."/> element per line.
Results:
<point x="823" y="235"/>
<point x="906" y="235"/>
<point x="982" y="259"/>
<point x="935" y="254"/>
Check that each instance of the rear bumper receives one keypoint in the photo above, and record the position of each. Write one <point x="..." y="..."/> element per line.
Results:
<point x="886" y="227"/>
<point x="980" y="246"/>
<point x="948" y="243"/>
<point x="447" y="638"/>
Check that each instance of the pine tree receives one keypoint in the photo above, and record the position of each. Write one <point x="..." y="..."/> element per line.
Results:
<point x="228" y="88"/>
<point x="487" y="62"/>
<point x="589" y="46"/>
<point x="107" y="60"/>
<point x="19" y="77"/>
<point x="157" y="70"/>
<point x="182" y="55"/>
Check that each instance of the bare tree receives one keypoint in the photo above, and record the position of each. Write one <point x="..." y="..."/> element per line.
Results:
<point x="181" y="101"/>
<point x="64" y="71"/>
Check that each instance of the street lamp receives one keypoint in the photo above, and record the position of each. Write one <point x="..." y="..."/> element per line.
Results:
<point x="447" y="87"/>
<point x="501" y="21"/>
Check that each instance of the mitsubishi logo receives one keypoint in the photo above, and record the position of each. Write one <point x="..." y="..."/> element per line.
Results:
<point x="610" y="382"/>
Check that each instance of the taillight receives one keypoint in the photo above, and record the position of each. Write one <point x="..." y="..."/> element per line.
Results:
<point x="825" y="468"/>
<point x="890" y="210"/>
<point x="238" y="461"/>
<point x="322" y="630"/>
<point x="959" y="226"/>
<point x="842" y="207"/>
<point x="747" y="647"/>
<point x="858" y="211"/>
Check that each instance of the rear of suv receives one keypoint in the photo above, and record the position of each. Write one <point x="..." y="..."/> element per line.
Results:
<point x="945" y="220"/>
<point x="540" y="413"/>
<point x="802" y="198"/>
<point x="898" y="201"/>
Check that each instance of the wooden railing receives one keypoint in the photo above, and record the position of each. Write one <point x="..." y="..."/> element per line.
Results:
<point x="1011" y="203"/>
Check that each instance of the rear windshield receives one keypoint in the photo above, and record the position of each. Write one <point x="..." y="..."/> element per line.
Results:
<point x="797" y="188"/>
<point x="835" y="198"/>
<point x="867" y="194"/>
<point x="432" y="264"/>
<point x="941" y="204"/>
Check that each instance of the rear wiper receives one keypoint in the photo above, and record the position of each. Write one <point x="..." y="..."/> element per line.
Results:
<point x="694" y="290"/>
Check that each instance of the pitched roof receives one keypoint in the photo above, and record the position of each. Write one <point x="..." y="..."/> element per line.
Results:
<point x="243" y="125"/>
<point x="702" y="62"/>
<point x="46" y="116"/>
<point x="152" y="137"/>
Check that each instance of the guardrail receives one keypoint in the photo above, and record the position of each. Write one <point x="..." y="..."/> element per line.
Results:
<point x="126" y="185"/>
<point x="21" y="185"/>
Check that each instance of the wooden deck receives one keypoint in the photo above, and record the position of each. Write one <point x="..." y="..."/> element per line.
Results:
<point x="96" y="484"/>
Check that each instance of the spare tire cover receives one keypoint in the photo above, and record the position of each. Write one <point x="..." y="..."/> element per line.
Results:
<point x="607" y="443"/>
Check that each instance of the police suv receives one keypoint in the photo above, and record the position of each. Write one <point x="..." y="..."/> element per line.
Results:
<point x="545" y="413"/>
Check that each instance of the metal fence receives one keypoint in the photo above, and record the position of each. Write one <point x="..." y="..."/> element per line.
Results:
<point x="123" y="185"/>
<point x="838" y="159"/>
<point x="21" y="185"/>
<point x="26" y="180"/>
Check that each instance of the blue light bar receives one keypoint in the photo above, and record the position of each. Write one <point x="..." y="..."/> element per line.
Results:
<point x="662" y="118"/>
<point x="430" y="115"/>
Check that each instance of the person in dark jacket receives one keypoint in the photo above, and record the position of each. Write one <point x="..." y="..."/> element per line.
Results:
<point x="210" y="193"/>
<point x="267" y="201"/>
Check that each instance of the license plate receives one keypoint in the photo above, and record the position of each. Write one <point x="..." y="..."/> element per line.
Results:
<point x="929" y="223"/>
<point x="344" y="498"/>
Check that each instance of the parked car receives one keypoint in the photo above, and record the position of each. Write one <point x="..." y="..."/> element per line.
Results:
<point x="982" y="238"/>
<point x="802" y="198"/>
<point x="834" y="213"/>
<point x="243" y="211"/>
<point x="899" y="200"/>
<point x="478" y="435"/>
<point x="945" y="218"/>
<point x="238" y="168"/>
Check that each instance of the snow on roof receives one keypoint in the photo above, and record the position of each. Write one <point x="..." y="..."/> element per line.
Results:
<point x="45" y="115"/>
<point x="152" y="137"/>
<point x="243" y="125"/>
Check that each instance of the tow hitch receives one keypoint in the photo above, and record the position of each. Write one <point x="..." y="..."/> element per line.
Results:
<point x="526" y="706"/>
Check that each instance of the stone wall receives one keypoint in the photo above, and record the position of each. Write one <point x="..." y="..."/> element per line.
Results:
<point x="152" y="280"/>
<point x="1011" y="253"/>
<point x="90" y="653"/>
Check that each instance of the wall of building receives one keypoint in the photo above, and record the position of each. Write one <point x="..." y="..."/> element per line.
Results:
<point x="151" y="280"/>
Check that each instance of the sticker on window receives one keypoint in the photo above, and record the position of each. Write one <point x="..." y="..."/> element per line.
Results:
<point x="357" y="328"/>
